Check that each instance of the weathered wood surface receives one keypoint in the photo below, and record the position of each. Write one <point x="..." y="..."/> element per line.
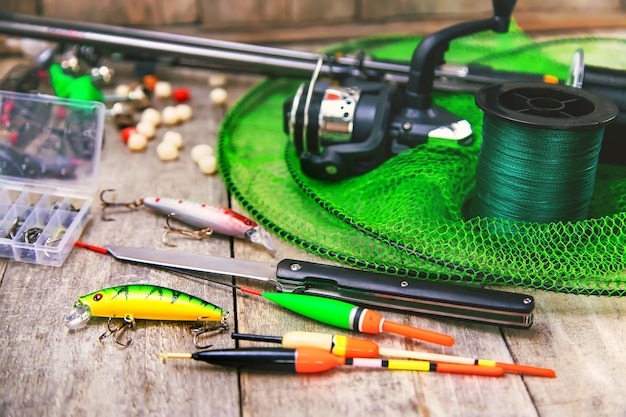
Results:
<point x="275" y="21"/>
<point x="144" y="12"/>
<point x="47" y="370"/>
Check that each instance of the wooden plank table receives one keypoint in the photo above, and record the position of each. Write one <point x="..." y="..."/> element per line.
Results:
<point x="47" y="370"/>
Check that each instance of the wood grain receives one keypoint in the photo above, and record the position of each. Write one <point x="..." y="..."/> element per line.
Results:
<point x="20" y="6"/>
<point x="47" y="370"/>
<point x="120" y="12"/>
<point x="282" y="21"/>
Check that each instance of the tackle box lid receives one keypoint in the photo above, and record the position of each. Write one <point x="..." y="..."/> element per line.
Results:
<point x="49" y="164"/>
<point x="50" y="142"/>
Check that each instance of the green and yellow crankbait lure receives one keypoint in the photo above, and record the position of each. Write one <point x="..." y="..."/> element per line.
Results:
<point x="141" y="301"/>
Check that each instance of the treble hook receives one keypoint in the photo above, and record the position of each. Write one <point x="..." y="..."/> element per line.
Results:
<point x="117" y="331"/>
<point x="196" y="234"/>
<point x="107" y="204"/>
<point x="200" y="331"/>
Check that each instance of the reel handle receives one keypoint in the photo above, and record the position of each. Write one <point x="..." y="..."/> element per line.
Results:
<point x="429" y="53"/>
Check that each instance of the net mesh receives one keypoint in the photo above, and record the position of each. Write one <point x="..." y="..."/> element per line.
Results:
<point x="409" y="216"/>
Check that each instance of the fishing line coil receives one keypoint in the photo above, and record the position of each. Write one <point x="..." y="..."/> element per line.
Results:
<point x="539" y="152"/>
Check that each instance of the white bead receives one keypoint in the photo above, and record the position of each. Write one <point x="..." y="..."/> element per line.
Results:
<point x="137" y="142"/>
<point x="147" y="129"/>
<point x="122" y="90"/>
<point x="152" y="116"/>
<point x="162" y="89"/>
<point x="184" y="112"/>
<point x="200" y="151"/>
<point x="169" y="116"/>
<point x="218" y="96"/>
<point x="217" y="80"/>
<point x="174" y="138"/>
<point x="208" y="164"/>
<point x="167" y="151"/>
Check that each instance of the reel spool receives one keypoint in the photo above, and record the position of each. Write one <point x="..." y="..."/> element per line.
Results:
<point x="540" y="151"/>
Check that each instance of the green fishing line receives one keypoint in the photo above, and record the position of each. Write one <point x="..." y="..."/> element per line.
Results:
<point x="535" y="175"/>
<point x="539" y="154"/>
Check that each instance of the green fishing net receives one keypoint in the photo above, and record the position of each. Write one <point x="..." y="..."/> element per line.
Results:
<point x="408" y="217"/>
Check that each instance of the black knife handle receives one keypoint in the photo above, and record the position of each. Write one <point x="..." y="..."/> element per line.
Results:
<point x="347" y="280"/>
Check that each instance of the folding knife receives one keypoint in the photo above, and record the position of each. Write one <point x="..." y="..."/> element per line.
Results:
<point x="362" y="287"/>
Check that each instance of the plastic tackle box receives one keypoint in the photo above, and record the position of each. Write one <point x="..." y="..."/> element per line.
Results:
<point x="49" y="160"/>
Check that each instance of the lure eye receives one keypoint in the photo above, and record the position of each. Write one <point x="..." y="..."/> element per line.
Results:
<point x="97" y="297"/>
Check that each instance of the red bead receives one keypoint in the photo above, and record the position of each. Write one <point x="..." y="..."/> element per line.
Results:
<point x="8" y="106"/>
<point x="61" y="112"/>
<point x="181" y="95"/>
<point x="126" y="132"/>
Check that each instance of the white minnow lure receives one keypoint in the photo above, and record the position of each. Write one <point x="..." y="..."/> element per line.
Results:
<point x="217" y="219"/>
<point x="220" y="219"/>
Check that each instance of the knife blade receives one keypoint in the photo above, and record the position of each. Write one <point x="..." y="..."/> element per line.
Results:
<point x="352" y="285"/>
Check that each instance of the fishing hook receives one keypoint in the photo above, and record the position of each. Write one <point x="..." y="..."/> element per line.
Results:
<point x="133" y="205"/>
<point x="117" y="331"/>
<point x="196" y="234"/>
<point x="201" y="331"/>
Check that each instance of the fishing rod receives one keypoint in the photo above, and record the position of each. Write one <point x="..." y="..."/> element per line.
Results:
<point x="124" y="43"/>
<point x="355" y="112"/>
<point x="377" y="110"/>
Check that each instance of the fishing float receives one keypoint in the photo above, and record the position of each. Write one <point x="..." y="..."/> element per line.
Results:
<point x="351" y="347"/>
<point x="351" y="317"/>
<point x="306" y="360"/>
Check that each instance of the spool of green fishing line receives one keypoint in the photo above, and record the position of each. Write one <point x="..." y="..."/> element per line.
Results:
<point x="539" y="152"/>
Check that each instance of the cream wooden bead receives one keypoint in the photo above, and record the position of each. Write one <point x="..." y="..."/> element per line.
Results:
<point x="200" y="151"/>
<point x="147" y="129"/>
<point x="151" y="115"/>
<point x="162" y="89"/>
<point x="174" y="138"/>
<point x="218" y="96"/>
<point x="217" y="80"/>
<point x="184" y="111"/>
<point x="169" y="116"/>
<point x="137" y="142"/>
<point x="208" y="164"/>
<point x="122" y="90"/>
<point x="167" y="151"/>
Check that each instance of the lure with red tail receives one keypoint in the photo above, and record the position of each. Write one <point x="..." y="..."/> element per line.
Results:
<point x="207" y="218"/>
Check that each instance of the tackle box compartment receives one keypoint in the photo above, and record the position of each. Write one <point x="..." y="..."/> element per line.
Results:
<point x="49" y="161"/>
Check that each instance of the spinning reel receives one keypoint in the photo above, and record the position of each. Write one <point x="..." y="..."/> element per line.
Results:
<point x="348" y="126"/>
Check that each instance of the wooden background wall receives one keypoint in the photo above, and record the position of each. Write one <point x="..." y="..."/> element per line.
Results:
<point x="306" y="19"/>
